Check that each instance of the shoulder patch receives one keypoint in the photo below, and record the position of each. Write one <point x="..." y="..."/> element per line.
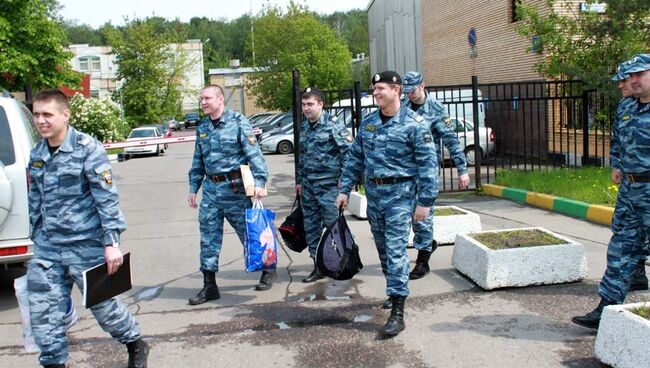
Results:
<point x="251" y="139"/>
<point x="447" y="122"/>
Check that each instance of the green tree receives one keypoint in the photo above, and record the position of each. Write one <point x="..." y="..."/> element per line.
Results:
<point x="152" y="70"/>
<point x="352" y="27"/>
<point x="82" y="34"/>
<point x="296" y="39"/>
<point x="587" y="46"/>
<point x="31" y="51"/>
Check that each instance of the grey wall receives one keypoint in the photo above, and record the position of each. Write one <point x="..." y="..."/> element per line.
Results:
<point x="395" y="33"/>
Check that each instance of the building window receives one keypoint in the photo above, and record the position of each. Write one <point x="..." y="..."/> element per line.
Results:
<point x="94" y="93"/>
<point x="514" y="5"/>
<point x="89" y="64"/>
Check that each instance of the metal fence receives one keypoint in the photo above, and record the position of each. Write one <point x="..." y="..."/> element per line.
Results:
<point x="533" y="125"/>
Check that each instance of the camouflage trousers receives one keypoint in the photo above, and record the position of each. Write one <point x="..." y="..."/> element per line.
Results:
<point x="50" y="276"/>
<point x="390" y="211"/>
<point x="423" y="231"/>
<point x="318" y="203"/>
<point x="627" y="247"/>
<point x="219" y="201"/>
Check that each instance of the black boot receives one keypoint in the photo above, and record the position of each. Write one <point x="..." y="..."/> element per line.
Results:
<point x="315" y="275"/>
<point x="421" y="265"/>
<point x="395" y="323"/>
<point x="210" y="289"/>
<point x="266" y="280"/>
<point x="592" y="319"/>
<point x="639" y="279"/>
<point x="54" y="366"/>
<point x="388" y="304"/>
<point x="138" y="352"/>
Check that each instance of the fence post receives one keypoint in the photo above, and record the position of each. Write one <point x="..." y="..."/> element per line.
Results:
<point x="585" y="128"/>
<point x="297" y="119"/>
<point x="357" y="108"/>
<point x="477" y="139"/>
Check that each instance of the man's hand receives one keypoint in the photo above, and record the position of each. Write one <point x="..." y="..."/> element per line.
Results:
<point x="463" y="181"/>
<point x="260" y="192"/>
<point x="191" y="200"/>
<point x="617" y="176"/>
<point x="113" y="257"/>
<point x="298" y="189"/>
<point x="342" y="201"/>
<point x="421" y="213"/>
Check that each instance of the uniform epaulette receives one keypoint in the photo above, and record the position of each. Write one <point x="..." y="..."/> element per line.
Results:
<point x="419" y="118"/>
<point x="333" y="119"/>
<point x="84" y="140"/>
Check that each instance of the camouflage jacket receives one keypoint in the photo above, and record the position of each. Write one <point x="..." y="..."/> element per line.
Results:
<point x="630" y="145"/>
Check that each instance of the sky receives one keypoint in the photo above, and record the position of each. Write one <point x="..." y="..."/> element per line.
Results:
<point x="96" y="13"/>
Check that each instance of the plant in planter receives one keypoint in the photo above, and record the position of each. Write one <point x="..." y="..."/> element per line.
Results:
<point x="518" y="257"/>
<point x="623" y="335"/>
<point x="451" y="220"/>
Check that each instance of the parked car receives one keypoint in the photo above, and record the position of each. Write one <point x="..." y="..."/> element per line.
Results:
<point x="278" y="121"/>
<point x="18" y="135"/>
<point x="141" y="134"/>
<point x="465" y="131"/>
<point x="192" y="119"/>
<point x="279" y="140"/>
<point x="172" y="124"/>
<point x="259" y="117"/>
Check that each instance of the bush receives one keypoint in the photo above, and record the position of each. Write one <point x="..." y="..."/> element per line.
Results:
<point x="98" y="117"/>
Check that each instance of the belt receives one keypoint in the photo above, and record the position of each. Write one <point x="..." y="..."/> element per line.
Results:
<point x="637" y="178"/>
<point x="234" y="175"/>
<point x="381" y="181"/>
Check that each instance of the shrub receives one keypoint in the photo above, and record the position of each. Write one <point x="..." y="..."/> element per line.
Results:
<point x="98" y="117"/>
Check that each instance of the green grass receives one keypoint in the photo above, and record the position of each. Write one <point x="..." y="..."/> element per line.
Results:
<point x="447" y="211"/>
<point x="643" y="311"/>
<point x="114" y="151"/>
<point x="516" y="239"/>
<point x="589" y="184"/>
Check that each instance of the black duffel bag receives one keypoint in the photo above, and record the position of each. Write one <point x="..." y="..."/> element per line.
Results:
<point x="293" y="228"/>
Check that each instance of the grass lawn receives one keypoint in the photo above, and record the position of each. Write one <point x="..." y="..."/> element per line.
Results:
<point x="589" y="184"/>
<point x="114" y="151"/>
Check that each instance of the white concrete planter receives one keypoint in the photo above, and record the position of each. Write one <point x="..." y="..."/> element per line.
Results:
<point x="546" y="264"/>
<point x="445" y="228"/>
<point x="112" y="158"/>
<point x="623" y="336"/>
<point x="357" y="205"/>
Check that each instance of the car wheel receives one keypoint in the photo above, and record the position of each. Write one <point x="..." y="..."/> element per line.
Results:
<point x="470" y="155"/>
<point x="285" y="147"/>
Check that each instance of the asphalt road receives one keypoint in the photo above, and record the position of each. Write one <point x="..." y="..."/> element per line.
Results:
<point x="450" y="321"/>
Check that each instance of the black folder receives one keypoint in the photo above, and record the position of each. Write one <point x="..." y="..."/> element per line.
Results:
<point x="100" y="286"/>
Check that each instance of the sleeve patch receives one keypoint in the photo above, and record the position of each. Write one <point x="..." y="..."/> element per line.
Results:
<point x="108" y="177"/>
<point x="427" y="137"/>
<point x="251" y="139"/>
<point x="447" y="122"/>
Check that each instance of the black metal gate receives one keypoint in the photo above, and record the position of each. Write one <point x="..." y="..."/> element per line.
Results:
<point x="532" y="125"/>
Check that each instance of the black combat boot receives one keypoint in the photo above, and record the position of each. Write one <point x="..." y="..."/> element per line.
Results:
<point x="266" y="280"/>
<point x="138" y="352"/>
<point x="210" y="289"/>
<point x="421" y="265"/>
<point x="395" y="323"/>
<point x="54" y="366"/>
<point x="592" y="319"/>
<point x="315" y="275"/>
<point x="639" y="279"/>
<point x="388" y="304"/>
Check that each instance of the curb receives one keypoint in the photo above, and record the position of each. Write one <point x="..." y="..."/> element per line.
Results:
<point x="591" y="212"/>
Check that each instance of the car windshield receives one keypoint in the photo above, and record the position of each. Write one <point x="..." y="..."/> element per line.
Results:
<point x="142" y="133"/>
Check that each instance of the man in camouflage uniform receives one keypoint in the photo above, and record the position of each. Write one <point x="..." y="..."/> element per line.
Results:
<point x="76" y="224"/>
<point x="224" y="141"/>
<point x="324" y="142"/>
<point x="394" y="150"/>
<point x="630" y="155"/>
<point x="435" y="114"/>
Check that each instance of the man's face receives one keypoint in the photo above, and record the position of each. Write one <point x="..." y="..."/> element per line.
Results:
<point x="212" y="101"/>
<point x="640" y="84"/>
<point x="385" y="94"/>
<point x="626" y="89"/>
<point x="312" y="108"/>
<point x="417" y="94"/>
<point x="51" y="119"/>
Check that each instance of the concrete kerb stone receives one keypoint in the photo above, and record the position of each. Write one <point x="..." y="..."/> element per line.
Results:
<point x="594" y="213"/>
<point x="622" y="337"/>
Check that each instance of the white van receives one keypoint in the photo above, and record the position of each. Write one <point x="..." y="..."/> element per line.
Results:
<point x="18" y="135"/>
<point x="459" y="104"/>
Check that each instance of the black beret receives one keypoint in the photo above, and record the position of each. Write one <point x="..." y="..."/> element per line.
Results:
<point x="313" y="90"/>
<point x="388" y="76"/>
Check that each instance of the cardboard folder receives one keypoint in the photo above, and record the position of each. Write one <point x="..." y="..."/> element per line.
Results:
<point x="99" y="286"/>
<point x="249" y="181"/>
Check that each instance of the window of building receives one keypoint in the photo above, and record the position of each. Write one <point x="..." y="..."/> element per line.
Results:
<point x="94" y="93"/>
<point x="89" y="63"/>
<point x="514" y="5"/>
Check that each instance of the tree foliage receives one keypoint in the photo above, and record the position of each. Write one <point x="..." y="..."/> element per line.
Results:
<point x="352" y="27"/>
<point x="587" y="46"/>
<point x="152" y="71"/>
<point x="296" y="40"/>
<point x="98" y="117"/>
<point x="31" y="51"/>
